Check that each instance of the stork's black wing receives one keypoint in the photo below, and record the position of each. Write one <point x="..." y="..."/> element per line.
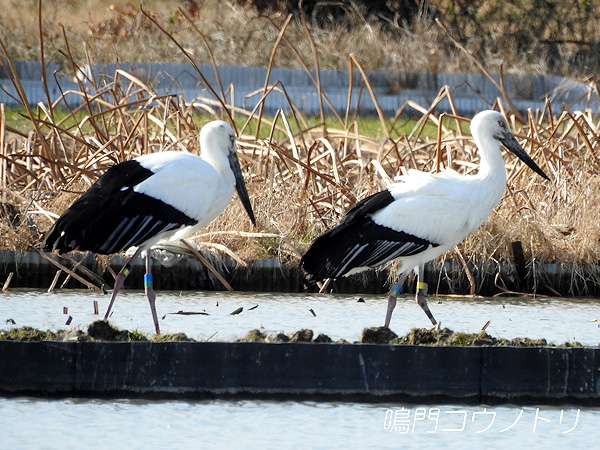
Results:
<point x="110" y="217"/>
<point x="359" y="242"/>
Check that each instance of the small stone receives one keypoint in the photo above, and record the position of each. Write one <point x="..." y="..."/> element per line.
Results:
<point x="253" y="336"/>
<point x="73" y="336"/>
<point x="322" y="338"/>
<point x="279" y="337"/>
<point x="303" y="335"/>
<point x="377" y="335"/>
<point x="103" y="331"/>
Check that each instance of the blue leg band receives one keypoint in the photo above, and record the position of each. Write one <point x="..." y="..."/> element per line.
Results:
<point x="148" y="280"/>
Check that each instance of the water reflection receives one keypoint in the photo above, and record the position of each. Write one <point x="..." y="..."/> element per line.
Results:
<point x="91" y="424"/>
<point x="338" y="316"/>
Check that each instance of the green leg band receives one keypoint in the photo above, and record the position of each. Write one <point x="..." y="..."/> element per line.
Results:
<point x="396" y="290"/>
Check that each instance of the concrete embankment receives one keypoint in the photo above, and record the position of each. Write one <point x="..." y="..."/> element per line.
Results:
<point x="337" y="372"/>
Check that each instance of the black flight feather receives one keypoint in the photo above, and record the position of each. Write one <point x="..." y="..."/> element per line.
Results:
<point x="359" y="242"/>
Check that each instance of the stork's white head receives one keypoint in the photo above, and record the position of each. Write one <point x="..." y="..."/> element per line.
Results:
<point x="217" y="139"/>
<point x="217" y="136"/>
<point x="489" y="123"/>
<point x="490" y="129"/>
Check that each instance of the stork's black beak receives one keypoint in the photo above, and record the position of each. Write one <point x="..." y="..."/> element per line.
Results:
<point x="240" y="185"/>
<point x="509" y="141"/>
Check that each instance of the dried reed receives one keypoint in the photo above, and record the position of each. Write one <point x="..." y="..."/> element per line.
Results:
<point x="301" y="181"/>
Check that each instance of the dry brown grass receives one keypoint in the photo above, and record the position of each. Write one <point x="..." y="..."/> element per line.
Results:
<point x="300" y="185"/>
<point x="301" y="182"/>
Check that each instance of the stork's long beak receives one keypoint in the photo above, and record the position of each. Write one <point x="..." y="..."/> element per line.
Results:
<point x="509" y="141"/>
<point x="240" y="185"/>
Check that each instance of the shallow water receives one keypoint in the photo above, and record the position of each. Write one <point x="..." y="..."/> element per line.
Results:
<point x="27" y="423"/>
<point x="338" y="316"/>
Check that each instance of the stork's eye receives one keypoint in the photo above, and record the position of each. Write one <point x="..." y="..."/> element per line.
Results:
<point x="502" y="124"/>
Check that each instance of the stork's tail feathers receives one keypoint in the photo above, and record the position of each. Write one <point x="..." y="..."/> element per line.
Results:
<point x="323" y="258"/>
<point x="66" y="234"/>
<point x="55" y="241"/>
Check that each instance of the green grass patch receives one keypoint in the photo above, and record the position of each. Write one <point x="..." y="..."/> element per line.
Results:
<point x="366" y="126"/>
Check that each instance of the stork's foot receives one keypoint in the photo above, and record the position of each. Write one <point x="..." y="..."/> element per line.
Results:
<point x="436" y="327"/>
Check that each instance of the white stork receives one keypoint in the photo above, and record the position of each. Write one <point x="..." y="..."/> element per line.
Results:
<point x="156" y="197"/>
<point x="418" y="218"/>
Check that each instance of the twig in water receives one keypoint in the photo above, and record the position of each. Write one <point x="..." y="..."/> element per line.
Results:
<point x="323" y="287"/>
<point x="487" y="324"/>
<point x="65" y="269"/>
<point x="209" y="266"/>
<point x="54" y="281"/>
<point x="78" y="265"/>
<point x="210" y="337"/>
<point x="467" y="271"/>
<point x="498" y="279"/>
<point x="7" y="282"/>
<point x="190" y="313"/>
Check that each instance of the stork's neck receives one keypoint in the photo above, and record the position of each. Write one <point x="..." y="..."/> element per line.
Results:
<point x="492" y="170"/>
<point x="218" y="161"/>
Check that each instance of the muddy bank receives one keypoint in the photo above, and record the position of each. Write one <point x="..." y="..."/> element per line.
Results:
<point x="104" y="332"/>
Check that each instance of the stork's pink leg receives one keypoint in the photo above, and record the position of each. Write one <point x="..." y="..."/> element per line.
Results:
<point x="148" y="287"/>
<point x="421" y="296"/>
<point x="394" y="292"/>
<point x="120" y="280"/>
